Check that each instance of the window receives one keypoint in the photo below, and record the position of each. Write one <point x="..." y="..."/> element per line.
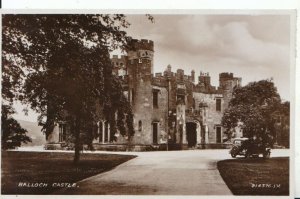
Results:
<point x="62" y="132"/>
<point x="100" y="131"/>
<point x="181" y="98"/>
<point x="131" y="96"/>
<point x="218" y="104"/>
<point x="155" y="98"/>
<point x="140" y="125"/>
<point x="132" y="92"/>
<point x="194" y="103"/>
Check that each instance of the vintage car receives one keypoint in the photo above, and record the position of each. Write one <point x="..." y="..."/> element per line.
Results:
<point x="236" y="148"/>
<point x="249" y="148"/>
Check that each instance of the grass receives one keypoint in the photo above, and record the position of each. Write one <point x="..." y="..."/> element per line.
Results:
<point x="256" y="176"/>
<point x="49" y="168"/>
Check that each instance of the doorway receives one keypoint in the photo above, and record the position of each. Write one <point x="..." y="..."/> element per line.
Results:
<point x="191" y="133"/>
<point x="154" y="132"/>
<point x="219" y="134"/>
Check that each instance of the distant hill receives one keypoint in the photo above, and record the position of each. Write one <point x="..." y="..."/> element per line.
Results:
<point x="34" y="132"/>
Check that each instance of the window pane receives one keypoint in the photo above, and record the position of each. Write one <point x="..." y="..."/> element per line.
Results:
<point x="218" y="104"/>
<point x="155" y="99"/>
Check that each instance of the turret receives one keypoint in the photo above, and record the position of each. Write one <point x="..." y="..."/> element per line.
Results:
<point x="204" y="79"/>
<point x="227" y="81"/>
<point x="180" y="74"/>
<point x="140" y="57"/>
<point x="193" y="76"/>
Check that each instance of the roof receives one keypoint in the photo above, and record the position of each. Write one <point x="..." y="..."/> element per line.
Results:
<point x="243" y="138"/>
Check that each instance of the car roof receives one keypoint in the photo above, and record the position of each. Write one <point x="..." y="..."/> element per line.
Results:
<point x="241" y="138"/>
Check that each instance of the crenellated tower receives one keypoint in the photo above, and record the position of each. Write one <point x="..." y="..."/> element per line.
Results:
<point x="227" y="83"/>
<point x="140" y="70"/>
<point x="140" y="58"/>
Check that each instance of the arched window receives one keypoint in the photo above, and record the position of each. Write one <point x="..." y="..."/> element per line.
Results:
<point x="62" y="132"/>
<point x="140" y="125"/>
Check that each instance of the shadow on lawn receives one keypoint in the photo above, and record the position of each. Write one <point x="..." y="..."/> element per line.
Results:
<point x="45" y="172"/>
<point x="256" y="176"/>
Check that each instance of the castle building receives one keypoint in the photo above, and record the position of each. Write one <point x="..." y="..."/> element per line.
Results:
<point x="168" y="107"/>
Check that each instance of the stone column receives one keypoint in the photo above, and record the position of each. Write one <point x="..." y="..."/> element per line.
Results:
<point x="108" y="132"/>
<point x="198" y="131"/>
<point x="184" y="140"/>
<point x="177" y="134"/>
<point x="54" y="136"/>
<point x="206" y="134"/>
<point x="103" y="131"/>
<point x="96" y="140"/>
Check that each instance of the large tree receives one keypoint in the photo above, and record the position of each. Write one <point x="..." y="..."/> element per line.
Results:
<point x="65" y="59"/>
<point x="12" y="134"/>
<point x="251" y="108"/>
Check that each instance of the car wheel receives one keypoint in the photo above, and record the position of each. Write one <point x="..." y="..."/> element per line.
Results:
<point x="247" y="154"/>
<point x="233" y="155"/>
<point x="267" y="154"/>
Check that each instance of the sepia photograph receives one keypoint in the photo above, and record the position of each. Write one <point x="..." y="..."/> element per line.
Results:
<point x="176" y="104"/>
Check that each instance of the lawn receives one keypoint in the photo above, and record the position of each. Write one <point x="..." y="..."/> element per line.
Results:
<point x="256" y="176"/>
<point x="49" y="171"/>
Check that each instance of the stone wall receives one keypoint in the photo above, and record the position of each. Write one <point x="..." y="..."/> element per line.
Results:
<point x="160" y="113"/>
<point x="136" y="73"/>
<point x="142" y="109"/>
<point x="212" y="117"/>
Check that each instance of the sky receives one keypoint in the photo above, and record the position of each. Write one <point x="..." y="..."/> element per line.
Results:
<point x="253" y="47"/>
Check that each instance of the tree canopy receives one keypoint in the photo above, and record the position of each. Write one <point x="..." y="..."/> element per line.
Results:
<point x="252" y="108"/>
<point x="60" y="65"/>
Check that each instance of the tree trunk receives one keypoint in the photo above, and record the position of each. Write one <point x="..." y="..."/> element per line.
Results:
<point x="77" y="141"/>
<point x="129" y="148"/>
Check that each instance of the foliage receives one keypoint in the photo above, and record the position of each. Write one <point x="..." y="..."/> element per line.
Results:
<point x="282" y="127"/>
<point x="63" y="63"/>
<point x="13" y="135"/>
<point x="251" y="108"/>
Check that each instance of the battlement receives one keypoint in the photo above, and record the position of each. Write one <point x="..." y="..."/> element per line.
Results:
<point x="226" y="76"/>
<point x="202" y="74"/>
<point x="159" y="80"/>
<point x="118" y="62"/>
<point x="180" y="71"/>
<point x="158" y="74"/>
<point x="204" y="79"/>
<point x="117" y="57"/>
<point x="228" y="81"/>
<point x="143" y="44"/>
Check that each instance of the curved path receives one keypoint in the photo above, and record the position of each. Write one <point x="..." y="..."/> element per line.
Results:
<point x="192" y="172"/>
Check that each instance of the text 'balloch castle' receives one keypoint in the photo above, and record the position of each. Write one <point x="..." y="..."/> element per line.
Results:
<point x="168" y="107"/>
